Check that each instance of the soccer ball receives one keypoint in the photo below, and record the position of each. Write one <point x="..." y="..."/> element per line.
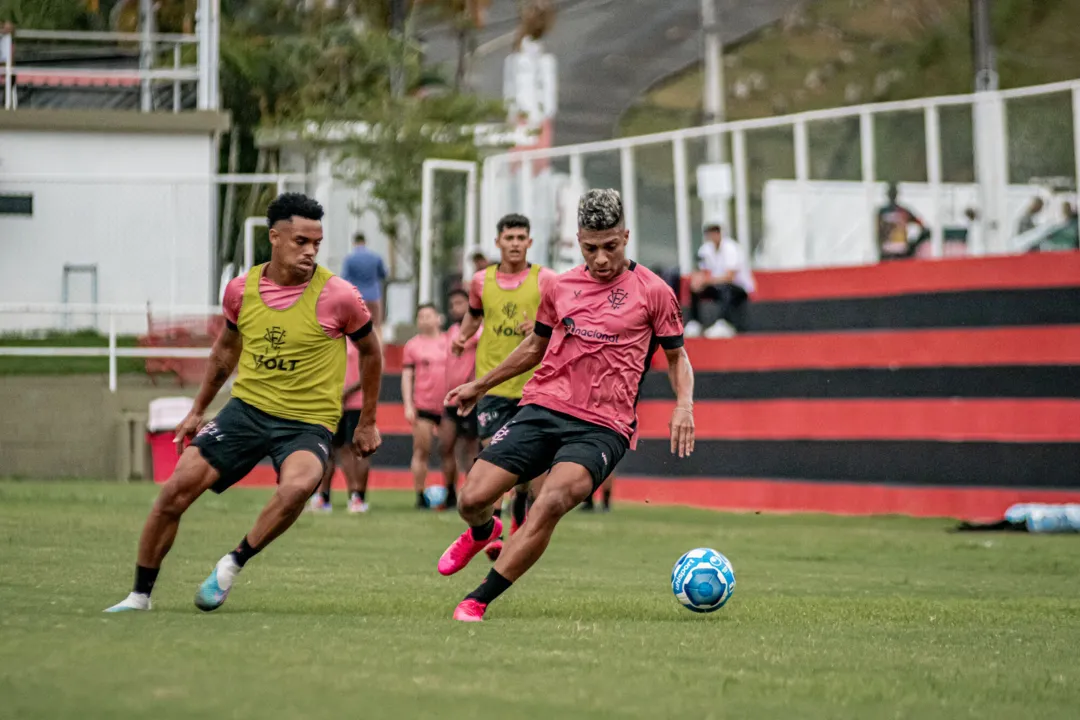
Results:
<point x="435" y="495"/>
<point x="703" y="580"/>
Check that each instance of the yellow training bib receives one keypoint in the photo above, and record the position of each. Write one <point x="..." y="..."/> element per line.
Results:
<point x="504" y="310"/>
<point x="289" y="367"/>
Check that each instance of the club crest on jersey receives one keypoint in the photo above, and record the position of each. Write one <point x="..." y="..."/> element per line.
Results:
<point x="510" y="310"/>
<point x="617" y="297"/>
<point x="276" y="337"/>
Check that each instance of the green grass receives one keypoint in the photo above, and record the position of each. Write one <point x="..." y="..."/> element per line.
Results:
<point x="346" y="617"/>
<point x="67" y="365"/>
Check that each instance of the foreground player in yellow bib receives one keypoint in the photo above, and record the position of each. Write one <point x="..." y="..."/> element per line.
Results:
<point x="287" y="323"/>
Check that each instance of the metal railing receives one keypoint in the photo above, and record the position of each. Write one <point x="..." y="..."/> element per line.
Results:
<point x="515" y="181"/>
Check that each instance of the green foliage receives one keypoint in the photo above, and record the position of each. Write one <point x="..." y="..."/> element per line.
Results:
<point x="46" y="14"/>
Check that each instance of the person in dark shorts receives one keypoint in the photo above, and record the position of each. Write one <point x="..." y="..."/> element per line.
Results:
<point x="596" y="330"/>
<point x="354" y="467"/>
<point x="459" y="439"/>
<point x="423" y="387"/>
<point x="287" y="323"/>
<point x="503" y="300"/>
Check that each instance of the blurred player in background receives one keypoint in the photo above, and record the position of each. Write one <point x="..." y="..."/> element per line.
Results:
<point x="596" y="331"/>
<point x="423" y="387"/>
<point x="504" y="298"/>
<point x="287" y="323"/>
<point x="605" y="496"/>
<point x="355" y="468"/>
<point x="459" y="440"/>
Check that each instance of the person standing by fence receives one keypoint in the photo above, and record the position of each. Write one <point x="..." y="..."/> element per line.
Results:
<point x="366" y="271"/>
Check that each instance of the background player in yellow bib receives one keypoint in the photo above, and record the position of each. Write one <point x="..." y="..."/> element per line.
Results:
<point x="505" y="298"/>
<point x="286" y="329"/>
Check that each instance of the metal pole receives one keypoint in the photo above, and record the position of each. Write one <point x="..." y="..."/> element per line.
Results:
<point x="176" y="83"/>
<point x="802" y="176"/>
<point x="933" y="177"/>
<point x="426" y="239"/>
<point x="982" y="46"/>
<point x="628" y="182"/>
<point x="146" y="53"/>
<point x="682" y="207"/>
<point x="471" y="238"/>
<point x="1076" y="138"/>
<point x="742" y="190"/>
<point x="8" y="63"/>
<point x="868" y="153"/>
<point x="714" y="77"/>
<point x="112" y="352"/>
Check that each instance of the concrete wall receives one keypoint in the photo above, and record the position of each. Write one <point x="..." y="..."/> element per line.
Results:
<point x="151" y="242"/>
<point x="68" y="425"/>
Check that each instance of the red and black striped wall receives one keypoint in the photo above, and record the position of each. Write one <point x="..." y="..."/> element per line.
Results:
<point x="931" y="388"/>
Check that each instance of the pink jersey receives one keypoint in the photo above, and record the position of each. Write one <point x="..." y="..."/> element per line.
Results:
<point x="507" y="281"/>
<point x="340" y="309"/>
<point x="354" y="401"/>
<point x="427" y="357"/>
<point x="603" y="335"/>
<point x="460" y="369"/>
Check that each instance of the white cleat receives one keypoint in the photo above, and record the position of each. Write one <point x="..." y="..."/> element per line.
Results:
<point x="720" y="330"/>
<point x="134" y="601"/>
<point x="357" y="506"/>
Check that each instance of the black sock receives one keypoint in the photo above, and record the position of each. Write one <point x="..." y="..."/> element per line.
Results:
<point x="517" y="508"/>
<point x="244" y="552"/>
<point x="145" y="578"/>
<point x="588" y="502"/>
<point x="497" y="512"/>
<point x="607" y="499"/>
<point x="492" y="587"/>
<point x="325" y="497"/>
<point x="421" y="501"/>
<point x="483" y="532"/>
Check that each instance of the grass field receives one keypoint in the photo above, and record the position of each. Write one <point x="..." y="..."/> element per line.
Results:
<point x="346" y="617"/>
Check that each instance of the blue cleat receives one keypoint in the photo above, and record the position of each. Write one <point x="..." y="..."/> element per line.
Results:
<point x="215" y="589"/>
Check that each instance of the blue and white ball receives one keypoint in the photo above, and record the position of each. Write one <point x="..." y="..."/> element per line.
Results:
<point x="703" y="580"/>
<point x="435" y="495"/>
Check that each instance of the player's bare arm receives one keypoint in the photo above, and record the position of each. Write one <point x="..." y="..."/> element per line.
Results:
<point x="469" y="325"/>
<point x="681" y="375"/>
<point x="407" y="377"/>
<point x="366" y="439"/>
<point x="524" y="358"/>
<point x="223" y="360"/>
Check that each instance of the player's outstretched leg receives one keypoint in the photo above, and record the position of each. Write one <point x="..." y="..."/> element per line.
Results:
<point x="192" y="477"/>
<point x="566" y="486"/>
<point x="448" y="441"/>
<point x="300" y="474"/>
<point x="485" y="485"/>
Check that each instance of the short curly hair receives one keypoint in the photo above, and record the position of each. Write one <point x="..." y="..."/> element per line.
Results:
<point x="600" y="210"/>
<point x="288" y="205"/>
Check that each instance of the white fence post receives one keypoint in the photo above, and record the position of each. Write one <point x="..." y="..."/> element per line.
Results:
<point x="742" y="191"/>
<point x="868" y="152"/>
<point x="1076" y="136"/>
<point x="802" y="176"/>
<point x="933" y="178"/>
<point x="471" y="239"/>
<point x="628" y="181"/>
<point x="428" y="184"/>
<point x="112" y="352"/>
<point x="682" y="206"/>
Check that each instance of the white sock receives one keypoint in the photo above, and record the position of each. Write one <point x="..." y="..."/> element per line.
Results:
<point x="227" y="570"/>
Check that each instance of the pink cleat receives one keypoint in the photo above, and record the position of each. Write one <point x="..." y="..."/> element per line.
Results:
<point x="464" y="549"/>
<point x="470" y="610"/>
<point x="494" y="549"/>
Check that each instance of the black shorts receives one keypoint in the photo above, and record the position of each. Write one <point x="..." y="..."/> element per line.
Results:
<point x="346" y="427"/>
<point x="429" y="416"/>
<point x="464" y="425"/>
<point x="241" y="435"/>
<point x="538" y="438"/>
<point x="492" y="412"/>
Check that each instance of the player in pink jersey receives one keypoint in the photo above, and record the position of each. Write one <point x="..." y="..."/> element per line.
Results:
<point x="423" y="387"/>
<point x="596" y="331"/>
<point x="355" y="468"/>
<point x="459" y="441"/>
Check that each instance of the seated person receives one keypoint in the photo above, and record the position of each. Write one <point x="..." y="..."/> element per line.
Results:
<point x="723" y="276"/>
